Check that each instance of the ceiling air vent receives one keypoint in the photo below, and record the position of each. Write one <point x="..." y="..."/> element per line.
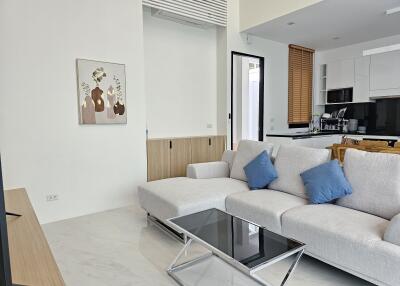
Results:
<point x="199" y="13"/>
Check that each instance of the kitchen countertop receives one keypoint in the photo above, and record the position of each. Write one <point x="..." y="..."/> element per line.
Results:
<point x="300" y="135"/>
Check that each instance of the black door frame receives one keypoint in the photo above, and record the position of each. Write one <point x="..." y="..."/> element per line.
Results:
<point x="260" y="99"/>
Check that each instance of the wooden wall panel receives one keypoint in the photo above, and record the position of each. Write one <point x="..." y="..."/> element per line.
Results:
<point x="158" y="159"/>
<point x="217" y="148"/>
<point x="200" y="149"/>
<point x="169" y="157"/>
<point x="221" y="146"/>
<point x="181" y="156"/>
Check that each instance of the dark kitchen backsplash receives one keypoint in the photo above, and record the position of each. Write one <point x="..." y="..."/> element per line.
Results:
<point x="381" y="117"/>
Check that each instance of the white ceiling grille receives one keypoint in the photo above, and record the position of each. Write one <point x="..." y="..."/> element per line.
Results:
<point x="207" y="11"/>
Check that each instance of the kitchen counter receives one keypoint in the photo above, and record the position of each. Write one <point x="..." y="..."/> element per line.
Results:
<point x="319" y="139"/>
<point x="302" y="135"/>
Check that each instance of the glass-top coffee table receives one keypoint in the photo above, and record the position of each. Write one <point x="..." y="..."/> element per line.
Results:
<point x="244" y="245"/>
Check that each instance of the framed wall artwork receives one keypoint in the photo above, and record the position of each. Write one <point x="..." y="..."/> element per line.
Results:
<point x="101" y="92"/>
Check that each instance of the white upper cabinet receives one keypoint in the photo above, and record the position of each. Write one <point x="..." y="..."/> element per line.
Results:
<point x="385" y="74"/>
<point x="340" y="74"/>
<point x="361" y="79"/>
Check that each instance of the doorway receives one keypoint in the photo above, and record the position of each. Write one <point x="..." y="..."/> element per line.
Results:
<point x="247" y="98"/>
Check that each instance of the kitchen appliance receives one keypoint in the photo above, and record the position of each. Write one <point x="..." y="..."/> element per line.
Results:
<point x="353" y="125"/>
<point x="342" y="112"/>
<point x="343" y="95"/>
<point x="362" y="129"/>
<point x="335" y="122"/>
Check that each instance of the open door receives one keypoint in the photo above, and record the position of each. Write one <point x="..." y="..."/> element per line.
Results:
<point x="247" y="98"/>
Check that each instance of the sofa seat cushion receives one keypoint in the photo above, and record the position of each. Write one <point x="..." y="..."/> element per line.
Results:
<point x="375" y="180"/>
<point x="339" y="235"/>
<point x="263" y="207"/>
<point x="290" y="162"/>
<point x="181" y="196"/>
<point x="384" y="261"/>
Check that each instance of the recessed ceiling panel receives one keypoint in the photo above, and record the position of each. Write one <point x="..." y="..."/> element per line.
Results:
<point x="333" y="23"/>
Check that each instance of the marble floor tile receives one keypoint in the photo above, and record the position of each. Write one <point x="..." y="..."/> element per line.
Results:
<point x="119" y="248"/>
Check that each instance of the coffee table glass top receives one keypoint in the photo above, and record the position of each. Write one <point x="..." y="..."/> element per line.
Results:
<point x="241" y="240"/>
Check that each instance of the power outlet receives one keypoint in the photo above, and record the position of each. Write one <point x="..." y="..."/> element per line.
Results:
<point x="52" y="197"/>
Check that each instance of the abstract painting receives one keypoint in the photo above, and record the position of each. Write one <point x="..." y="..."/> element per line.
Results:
<point x="101" y="91"/>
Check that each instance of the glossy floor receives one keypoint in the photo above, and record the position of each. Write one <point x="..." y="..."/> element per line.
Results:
<point x="118" y="248"/>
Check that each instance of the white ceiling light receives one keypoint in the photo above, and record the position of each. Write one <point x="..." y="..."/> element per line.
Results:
<point x="393" y="10"/>
<point x="381" y="50"/>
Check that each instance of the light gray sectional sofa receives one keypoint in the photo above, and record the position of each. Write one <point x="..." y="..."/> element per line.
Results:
<point x="359" y="233"/>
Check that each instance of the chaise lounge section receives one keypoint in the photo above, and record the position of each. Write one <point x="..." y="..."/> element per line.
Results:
<point x="174" y="197"/>
<point x="359" y="233"/>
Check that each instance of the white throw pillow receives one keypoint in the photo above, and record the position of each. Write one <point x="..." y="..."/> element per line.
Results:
<point x="246" y="152"/>
<point x="375" y="180"/>
<point x="290" y="162"/>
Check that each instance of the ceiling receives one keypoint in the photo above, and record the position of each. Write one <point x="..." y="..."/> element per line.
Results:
<point x="333" y="23"/>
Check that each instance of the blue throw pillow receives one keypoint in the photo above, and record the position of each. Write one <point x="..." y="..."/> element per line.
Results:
<point x="326" y="183"/>
<point x="260" y="172"/>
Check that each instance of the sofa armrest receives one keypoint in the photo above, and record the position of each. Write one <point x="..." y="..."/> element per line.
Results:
<point x="392" y="232"/>
<point x="208" y="170"/>
<point x="228" y="156"/>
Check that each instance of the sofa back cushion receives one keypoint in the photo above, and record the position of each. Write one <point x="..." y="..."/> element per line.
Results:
<point x="290" y="162"/>
<point x="375" y="180"/>
<point x="246" y="152"/>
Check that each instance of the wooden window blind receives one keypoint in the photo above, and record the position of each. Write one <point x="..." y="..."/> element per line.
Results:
<point x="301" y="62"/>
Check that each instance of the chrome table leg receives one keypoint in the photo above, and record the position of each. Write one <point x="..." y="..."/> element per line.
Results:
<point x="292" y="268"/>
<point x="288" y="275"/>
<point x="176" y="267"/>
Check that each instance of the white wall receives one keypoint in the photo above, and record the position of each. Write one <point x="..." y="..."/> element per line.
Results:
<point x="276" y="71"/>
<point x="222" y="78"/>
<point x="256" y="12"/>
<point x="181" y="78"/>
<point x="44" y="149"/>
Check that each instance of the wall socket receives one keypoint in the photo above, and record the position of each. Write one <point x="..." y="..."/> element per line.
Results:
<point x="52" y="197"/>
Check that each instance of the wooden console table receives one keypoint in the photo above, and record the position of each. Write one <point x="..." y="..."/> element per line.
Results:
<point x="32" y="262"/>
